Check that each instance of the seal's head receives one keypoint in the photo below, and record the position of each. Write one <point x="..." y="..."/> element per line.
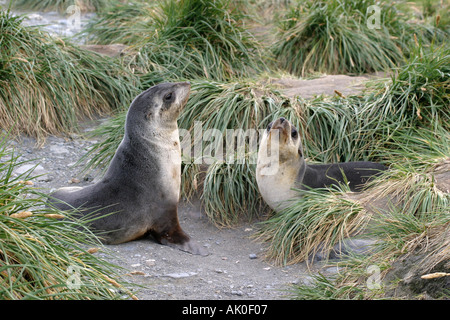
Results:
<point x="289" y="142"/>
<point x="281" y="143"/>
<point x="159" y="105"/>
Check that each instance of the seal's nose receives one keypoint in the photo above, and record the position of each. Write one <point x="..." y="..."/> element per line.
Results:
<point x="282" y="120"/>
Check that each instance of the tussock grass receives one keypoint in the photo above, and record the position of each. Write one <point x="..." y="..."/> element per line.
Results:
<point x="126" y="23"/>
<point x="188" y="38"/>
<point x="230" y="194"/>
<point x="312" y="223"/>
<point x="339" y="130"/>
<point x="335" y="37"/>
<point x="42" y="256"/>
<point x="419" y="93"/>
<point x="416" y="222"/>
<point x="47" y="84"/>
<point x="412" y="218"/>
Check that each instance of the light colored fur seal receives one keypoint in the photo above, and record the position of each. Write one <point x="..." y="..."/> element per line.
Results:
<point x="141" y="187"/>
<point x="281" y="166"/>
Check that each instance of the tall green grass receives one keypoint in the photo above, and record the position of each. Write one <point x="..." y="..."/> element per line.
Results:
<point x="188" y="38"/>
<point x="418" y="94"/>
<point x="335" y="37"/>
<point x="48" y="84"/>
<point x="313" y="222"/>
<point x="416" y="222"/>
<point x="42" y="256"/>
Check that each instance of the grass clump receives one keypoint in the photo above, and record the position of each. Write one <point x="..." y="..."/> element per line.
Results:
<point x="418" y="95"/>
<point x="188" y="38"/>
<point x="312" y="223"/>
<point x="413" y="225"/>
<point x="409" y="211"/>
<point x="48" y="84"/>
<point x="42" y="256"/>
<point x="339" y="37"/>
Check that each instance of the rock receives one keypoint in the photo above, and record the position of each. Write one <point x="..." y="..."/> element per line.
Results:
<point x="150" y="262"/>
<point x="33" y="170"/>
<point x="252" y="256"/>
<point x="351" y="246"/>
<point x="348" y="246"/>
<point x="180" y="275"/>
<point x="34" y="16"/>
<point x="237" y="292"/>
<point x="220" y="271"/>
<point x="58" y="149"/>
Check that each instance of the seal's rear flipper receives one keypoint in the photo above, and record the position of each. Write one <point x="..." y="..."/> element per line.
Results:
<point x="177" y="238"/>
<point x="189" y="246"/>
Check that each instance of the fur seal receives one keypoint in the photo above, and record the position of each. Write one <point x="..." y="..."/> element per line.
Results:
<point x="140" y="190"/>
<point x="286" y="167"/>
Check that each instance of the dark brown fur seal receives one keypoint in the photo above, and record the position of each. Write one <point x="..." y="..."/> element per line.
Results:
<point x="141" y="187"/>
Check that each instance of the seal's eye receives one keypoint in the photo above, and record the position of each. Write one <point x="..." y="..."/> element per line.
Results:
<point x="269" y="126"/>
<point x="294" y="134"/>
<point x="168" y="96"/>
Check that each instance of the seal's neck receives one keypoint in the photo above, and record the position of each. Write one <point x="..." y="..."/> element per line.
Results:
<point x="276" y="187"/>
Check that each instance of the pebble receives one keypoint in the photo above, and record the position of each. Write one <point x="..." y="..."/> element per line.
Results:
<point x="252" y="256"/>
<point x="220" y="271"/>
<point x="150" y="262"/>
<point x="180" y="275"/>
<point x="58" y="149"/>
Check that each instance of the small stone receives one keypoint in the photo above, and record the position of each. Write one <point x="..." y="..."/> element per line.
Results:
<point x="252" y="256"/>
<point x="74" y="180"/>
<point x="28" y="168"/>
<point x="220" y="271"/>
<point x="58" y="149"/>
<point x="150" y="262"/>
<point x="88" y="178"/>
<point x="237" y="292"/>
<point x="180" y="275"/>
